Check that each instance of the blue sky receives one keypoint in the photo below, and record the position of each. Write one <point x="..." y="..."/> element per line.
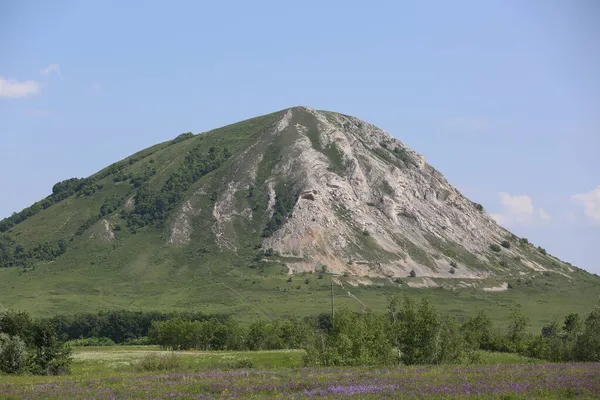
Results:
<point x="503" y="97"/>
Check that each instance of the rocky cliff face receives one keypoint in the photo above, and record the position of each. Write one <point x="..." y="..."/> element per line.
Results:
<point x="362" y="203"/>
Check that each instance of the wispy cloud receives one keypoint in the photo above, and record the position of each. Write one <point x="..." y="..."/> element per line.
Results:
<point x="544" y="216"/>
<point x="590" y="202"/>
<point x="10" y="88"/>
<point x="466" y="124"/>
<point x="52" y="68"/>
<point x="517" y="209"/>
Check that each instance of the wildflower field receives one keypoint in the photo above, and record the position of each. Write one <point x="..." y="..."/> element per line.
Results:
<point x="114" y="373"/>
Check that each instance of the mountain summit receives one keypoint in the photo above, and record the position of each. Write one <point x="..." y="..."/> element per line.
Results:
<point x="298" y="191"/>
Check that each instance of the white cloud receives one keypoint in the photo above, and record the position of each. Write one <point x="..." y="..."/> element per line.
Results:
<point x="517" y="209"/>
<point x="97" y="88"/>
<point x="11" y="88"/>
<point x="465" y="124"/>
<point x="590" y="202"/>
<point x="544" y="216"/>
<point x="50" y="69"/>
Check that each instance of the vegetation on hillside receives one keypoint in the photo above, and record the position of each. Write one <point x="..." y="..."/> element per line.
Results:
<point x="13" y="254"/>
<point x="154" y="207"/>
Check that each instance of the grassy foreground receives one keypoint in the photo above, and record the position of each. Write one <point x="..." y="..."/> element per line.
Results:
<point x="114" y="372"/>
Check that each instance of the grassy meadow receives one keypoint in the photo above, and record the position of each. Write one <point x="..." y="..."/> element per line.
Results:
<point x="168" y="284"/>
<point x="121" y="372"/>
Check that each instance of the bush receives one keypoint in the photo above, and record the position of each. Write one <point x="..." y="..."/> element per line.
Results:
<point x="93" y="341"/>
<point x="162" y="362"/>
<point x="542" y="250"/>
<point x="142" y="341"/>
<point x="413" y="273"/>
<point x="452" y="270"/>
<point x="355" y="339"/>
<point x="506" y="244"/>
<point x="13" y="354"/>
<point x="453" y="264"/>
<point x="47" y="354"/>
<point x="495" y="247"/>
<point x="243" y="363"/>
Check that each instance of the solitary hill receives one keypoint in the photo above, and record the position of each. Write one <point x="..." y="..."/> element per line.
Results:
<point x="259" y="217"/>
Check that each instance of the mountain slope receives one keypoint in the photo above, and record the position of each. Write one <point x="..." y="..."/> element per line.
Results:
<point x="218" y="220"/>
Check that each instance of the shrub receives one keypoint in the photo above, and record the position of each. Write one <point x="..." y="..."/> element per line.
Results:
<point x="162" y="362"/>
<point x="243" y="363"/>
<point x="450" y="252"/>
<point x="479" y="207"/>
<point x="503" y="263"/>
<point x="93" y="341"/>
<point x="542" y="250"/>
<point x="413" y="273"/>
<point x="306" y="281"/>
<point x="452" y="270"/>
<point x="506" y="244"/>
<point x="141" y="341"/>
<point x="13" y="354"/>
<point x="453" y="264"/>
<point x="495" y="247"/>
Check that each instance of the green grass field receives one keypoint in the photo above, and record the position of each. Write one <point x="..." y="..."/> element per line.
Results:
<point x="116" y="372"/>
<point x="165" y="285"/>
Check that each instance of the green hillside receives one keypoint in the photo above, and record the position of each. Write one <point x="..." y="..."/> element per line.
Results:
<point x="107" y="242"/>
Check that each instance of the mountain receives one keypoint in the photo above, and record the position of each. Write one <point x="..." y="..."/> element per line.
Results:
<point x="258" y="216"/>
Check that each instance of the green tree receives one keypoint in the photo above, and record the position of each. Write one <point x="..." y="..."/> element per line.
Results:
<point x="517" y="330"/>
<point x="15" y="323"/>
<point x="13" y="354"/>
<point x="417" y="333"/>
<point x="52" y="356"/>
<point x="587" y="346"/>
<point x="478" y="331"/>
<point x="355" y="339"/>
<point x="450" y="344"/>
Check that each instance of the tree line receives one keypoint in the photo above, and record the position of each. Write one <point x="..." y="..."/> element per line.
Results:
<point x="120" y="326"/>
<point x="407" y="333"/>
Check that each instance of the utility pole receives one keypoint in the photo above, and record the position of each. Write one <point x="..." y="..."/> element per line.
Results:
<point x="332" y="308"/>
